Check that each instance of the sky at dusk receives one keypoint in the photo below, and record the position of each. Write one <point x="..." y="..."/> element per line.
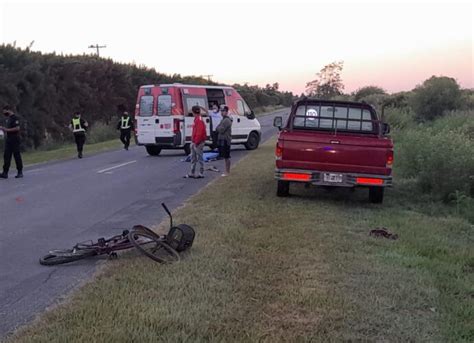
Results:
<point x="395" y="45"/>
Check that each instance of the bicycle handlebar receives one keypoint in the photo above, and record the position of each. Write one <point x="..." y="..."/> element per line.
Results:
<point x="169" y="213"/>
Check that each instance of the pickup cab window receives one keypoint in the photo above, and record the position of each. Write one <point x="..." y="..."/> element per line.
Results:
<point x="328" y="117"/>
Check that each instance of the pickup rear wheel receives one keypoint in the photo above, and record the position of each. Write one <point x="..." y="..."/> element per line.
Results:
<point x="283" y="188"/>
<point x="153" y="150"/>
<point x="376" y="195"/>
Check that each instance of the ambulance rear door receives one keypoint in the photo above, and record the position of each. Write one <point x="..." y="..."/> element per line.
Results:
<point x="194" y="96"/>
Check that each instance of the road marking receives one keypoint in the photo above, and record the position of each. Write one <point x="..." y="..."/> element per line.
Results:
<point x="115" y="167"/>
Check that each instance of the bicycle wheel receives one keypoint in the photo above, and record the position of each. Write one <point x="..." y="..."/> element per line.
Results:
<point x="153" y="247"/>
<point x="146" y="230"/>
<point x="65" y="256"/>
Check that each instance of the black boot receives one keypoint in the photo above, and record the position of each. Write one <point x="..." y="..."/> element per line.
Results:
<point x="3" y="175"/>
<point x="19" y="175"/>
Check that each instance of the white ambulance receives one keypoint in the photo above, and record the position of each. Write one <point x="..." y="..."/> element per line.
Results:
<point x="164" y="120"/>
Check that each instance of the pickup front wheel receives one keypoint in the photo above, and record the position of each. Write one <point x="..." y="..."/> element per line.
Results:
<point x="283" y="188"/>
<point x="376" y="195"/>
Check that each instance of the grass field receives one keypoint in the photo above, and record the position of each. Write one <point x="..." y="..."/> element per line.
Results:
<point x="273" y="269"/>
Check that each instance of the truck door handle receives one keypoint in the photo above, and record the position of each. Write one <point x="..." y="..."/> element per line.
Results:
<point x="335" y="142"/>
<point x="157" y="121"/>
<point x="238" y="120"/>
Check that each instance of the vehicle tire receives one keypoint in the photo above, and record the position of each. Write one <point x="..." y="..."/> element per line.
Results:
<point x="153" y="150"/>
<point x="376" y="195"/>
<point x="65" y="256"/>
<point x="146" y="230"/>
<point x="283" y="188"/>
<point x="252" y="141"/>
<point x="153" y="247"/>
<point x="187" y="149"/>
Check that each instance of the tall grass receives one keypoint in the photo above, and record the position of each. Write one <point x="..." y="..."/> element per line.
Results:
<point x="438" y="156"/>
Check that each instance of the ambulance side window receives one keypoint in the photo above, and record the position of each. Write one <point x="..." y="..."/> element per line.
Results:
<point x="146" y="106"/>
<point x="240" y="108"/>
<point x="164" y="105"/>
<point x="247" y="109"/>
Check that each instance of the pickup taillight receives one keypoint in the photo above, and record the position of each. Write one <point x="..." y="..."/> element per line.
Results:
<point x="279" y="151"/>
<point x="389" y="158"/>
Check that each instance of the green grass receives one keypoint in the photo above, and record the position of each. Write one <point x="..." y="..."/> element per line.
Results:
<point x="292" y="269"/>
<point x="259" y="111"/>
<point x="67" y="151"/>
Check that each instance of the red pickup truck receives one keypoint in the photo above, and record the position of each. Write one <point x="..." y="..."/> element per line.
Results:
<point x="334" y="143"/>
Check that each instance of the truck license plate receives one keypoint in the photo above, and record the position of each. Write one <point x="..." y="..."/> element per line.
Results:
<point x="330" y="177"/>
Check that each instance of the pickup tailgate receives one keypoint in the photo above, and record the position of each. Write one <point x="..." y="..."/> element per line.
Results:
<point x="344" y="152"/>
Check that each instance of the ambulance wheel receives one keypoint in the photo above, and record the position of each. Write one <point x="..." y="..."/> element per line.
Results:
<point x="252" y="141"/>
<point x="153" y="150"/>
<point x="187" y="149"/>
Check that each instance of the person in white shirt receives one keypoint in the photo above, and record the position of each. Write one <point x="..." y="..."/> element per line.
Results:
<point x="216" y="118"/>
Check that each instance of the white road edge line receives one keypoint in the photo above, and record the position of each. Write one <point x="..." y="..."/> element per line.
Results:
<point x="115" y="167"/>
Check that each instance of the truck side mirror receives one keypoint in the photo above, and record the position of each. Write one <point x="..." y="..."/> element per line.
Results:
<point x="278" y="122"/>
<point x="385" y="128"/>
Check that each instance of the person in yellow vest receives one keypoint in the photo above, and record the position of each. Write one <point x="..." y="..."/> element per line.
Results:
<point x="78" y="127"/>
<point x="125" y="125"/>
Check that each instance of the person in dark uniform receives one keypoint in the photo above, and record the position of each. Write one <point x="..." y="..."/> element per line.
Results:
<point x="79" y="126"/>
<point x="12" y="143"/>
<point x="125" y="125"/>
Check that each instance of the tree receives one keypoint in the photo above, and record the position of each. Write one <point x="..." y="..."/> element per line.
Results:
<point x="366" y="91"/>
<point x="328" y="82"/>
<point x="435" y="96"/>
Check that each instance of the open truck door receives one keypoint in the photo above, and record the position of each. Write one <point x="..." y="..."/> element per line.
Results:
<point x="194" y="97"/>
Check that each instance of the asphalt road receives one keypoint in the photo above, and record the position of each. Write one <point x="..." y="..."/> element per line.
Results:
<point x="59" y="204"/>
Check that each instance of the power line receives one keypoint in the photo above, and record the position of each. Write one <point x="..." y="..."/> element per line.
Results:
<point x="97" y="47"/>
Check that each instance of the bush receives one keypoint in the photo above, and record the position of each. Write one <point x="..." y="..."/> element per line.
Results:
<point x="100" y="132"/>
<point x="366" y="91"/>
<point x="435" y="96"/>
<point x="400" y="119"/>
<point x="440" y="156"/>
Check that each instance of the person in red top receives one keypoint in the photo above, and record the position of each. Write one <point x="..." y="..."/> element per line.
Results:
<point x="198" y="139"/>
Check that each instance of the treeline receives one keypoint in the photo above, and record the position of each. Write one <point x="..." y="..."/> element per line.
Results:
<point x="47" y="88"/>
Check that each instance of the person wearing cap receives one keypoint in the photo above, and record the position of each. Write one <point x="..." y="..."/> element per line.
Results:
<point x="198" y="139"/>
<point x="224" y="138"/>
<point x="12" y="143"/>
<point x="125" y="125"/>
<point x="78" y="127"/>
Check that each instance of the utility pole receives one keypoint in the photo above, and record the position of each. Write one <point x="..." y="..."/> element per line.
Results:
<point x="208" y="77"/>
<point x="97" y="47"/>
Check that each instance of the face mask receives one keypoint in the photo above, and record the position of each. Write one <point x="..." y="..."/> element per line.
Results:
<point x="216" y="110"/>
